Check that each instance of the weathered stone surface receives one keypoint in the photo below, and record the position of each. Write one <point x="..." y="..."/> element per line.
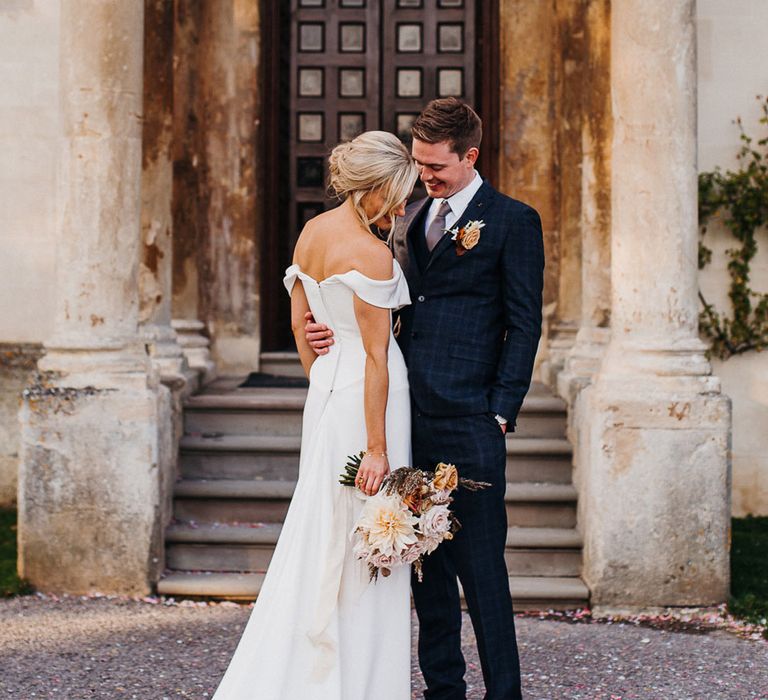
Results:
<point x="528" y="160"/>
<point x="653" y="498"/>
<point x="89" y="491"/>
<point x="156" y="269"/>
<point x="583" y="358"/>
<point x="216" y="239"/>
<point x="157" y="167"/>
<point x="555" y="155"/>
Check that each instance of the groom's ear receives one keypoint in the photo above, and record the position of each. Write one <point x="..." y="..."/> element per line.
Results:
<point x="472" y="155"/>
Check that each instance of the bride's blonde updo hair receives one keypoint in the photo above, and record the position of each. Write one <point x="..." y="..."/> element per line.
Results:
<point x="373" y="161"/>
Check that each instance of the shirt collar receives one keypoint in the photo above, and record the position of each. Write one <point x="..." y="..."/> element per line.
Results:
<point x="460" y="200"/>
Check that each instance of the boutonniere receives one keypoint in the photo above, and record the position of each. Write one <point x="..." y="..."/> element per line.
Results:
<point x="466" y="237"/>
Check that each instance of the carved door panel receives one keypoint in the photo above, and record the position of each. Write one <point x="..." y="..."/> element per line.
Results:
<point x="428" y="52"/>
<point x="335" y="71"/>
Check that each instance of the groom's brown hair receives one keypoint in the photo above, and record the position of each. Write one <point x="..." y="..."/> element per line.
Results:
<point x="449" y="119"/>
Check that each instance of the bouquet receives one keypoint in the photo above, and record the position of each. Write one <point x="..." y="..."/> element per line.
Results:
<point x="409" y="516"/>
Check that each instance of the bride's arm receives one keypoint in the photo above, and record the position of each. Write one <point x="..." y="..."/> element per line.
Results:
<point x="374" y="323"/>
<point x="299" y="308"/>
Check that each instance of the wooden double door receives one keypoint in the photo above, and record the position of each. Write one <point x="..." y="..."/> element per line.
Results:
<point x="335" y="68"/>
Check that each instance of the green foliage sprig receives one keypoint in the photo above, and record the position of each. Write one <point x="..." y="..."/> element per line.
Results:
<point x="741" y="197"/>
<point x="348" y="476"/>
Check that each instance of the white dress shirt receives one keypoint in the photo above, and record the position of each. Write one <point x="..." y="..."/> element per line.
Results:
<point x="458" y="203"/>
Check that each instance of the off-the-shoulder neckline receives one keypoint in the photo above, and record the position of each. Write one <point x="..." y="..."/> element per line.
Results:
<point x="397" y="272"/>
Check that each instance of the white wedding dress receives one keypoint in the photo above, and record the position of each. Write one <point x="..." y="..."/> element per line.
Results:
<point x="319" y="629"/>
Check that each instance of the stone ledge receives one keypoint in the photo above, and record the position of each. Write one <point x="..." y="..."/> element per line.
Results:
<point x="279" y="490"/>
<point x="543" y="591"/>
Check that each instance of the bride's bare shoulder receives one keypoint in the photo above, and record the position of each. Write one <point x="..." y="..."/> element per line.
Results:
<point x="372" y="258"/>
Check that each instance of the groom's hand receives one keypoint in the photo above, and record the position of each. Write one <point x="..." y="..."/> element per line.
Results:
<point x="318" y="335"/>
<point x="501" y="421"/>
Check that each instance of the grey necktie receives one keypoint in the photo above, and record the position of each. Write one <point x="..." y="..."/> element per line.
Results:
<point x="436" y="229"/>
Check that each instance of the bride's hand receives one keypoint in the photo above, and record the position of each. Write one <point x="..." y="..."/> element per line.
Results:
<point x="373" y="470"/>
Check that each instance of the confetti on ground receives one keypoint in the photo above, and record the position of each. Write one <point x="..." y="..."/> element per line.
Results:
<point x="690" y="620"/>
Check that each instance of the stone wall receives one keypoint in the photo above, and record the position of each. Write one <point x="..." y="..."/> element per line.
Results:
<point x="17" y="367"/>
<point x="732" y="60"/>
<point x="29" y="112"/>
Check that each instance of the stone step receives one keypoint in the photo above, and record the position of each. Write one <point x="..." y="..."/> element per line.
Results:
<point x="267" y="533"/>
<point x="246" y="412"/>
<point x="528" y="592"/>
<point x="277" y="457"/>
<point x="242" y="548"/>
<point x="231" y="500"/>
<point x="239" y="457"/>
<point x="256" y="558"/>
<point x="279" y="411"/>
<point x="282" y="364"/>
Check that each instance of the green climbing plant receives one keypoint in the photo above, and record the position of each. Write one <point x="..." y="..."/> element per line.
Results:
<point x="740" y="199"/>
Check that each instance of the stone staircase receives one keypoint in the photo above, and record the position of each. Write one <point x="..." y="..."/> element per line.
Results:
<point x="239" y="464"/>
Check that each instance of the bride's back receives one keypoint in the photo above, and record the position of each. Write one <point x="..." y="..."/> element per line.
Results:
<point x="335" y="242"/>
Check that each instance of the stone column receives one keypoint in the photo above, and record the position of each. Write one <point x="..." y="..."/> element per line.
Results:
<point x="155" y="269"/>
<point x="528" y="168"/>
<point x="569" y="45"/>
<point x="89" y="491"/>
<point x="593" y="82"/>
<point x="156" y="265"/>
<point x="190" y="198"/>
<point x="654" y="503"/>
<point x="217" y="209"/>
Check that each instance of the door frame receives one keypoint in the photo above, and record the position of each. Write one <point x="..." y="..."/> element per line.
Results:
<point x="275" y="15"/>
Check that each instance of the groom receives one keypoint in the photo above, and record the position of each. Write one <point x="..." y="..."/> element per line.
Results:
<point x="469" y="339"/>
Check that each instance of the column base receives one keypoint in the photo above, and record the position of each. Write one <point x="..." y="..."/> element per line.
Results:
<point x="562" y="336"/>
<point x="582" y="362"/>
<point x="166" y="354"/>
<point x="90" y="484"/>
<point x="84" y="364"/>
<point x="196" y="348"/>
<point x="654" y="482"/>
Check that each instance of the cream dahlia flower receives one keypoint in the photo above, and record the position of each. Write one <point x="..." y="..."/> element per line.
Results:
<point x="388" y="524"/>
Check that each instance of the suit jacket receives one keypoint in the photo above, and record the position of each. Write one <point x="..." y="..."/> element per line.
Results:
<point x="470" y="335"/>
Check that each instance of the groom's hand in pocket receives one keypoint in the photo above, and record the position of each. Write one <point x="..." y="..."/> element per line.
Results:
<point x="318" y="335"/>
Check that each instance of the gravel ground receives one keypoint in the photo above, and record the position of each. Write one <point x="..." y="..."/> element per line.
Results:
<point x="77" y="648"/>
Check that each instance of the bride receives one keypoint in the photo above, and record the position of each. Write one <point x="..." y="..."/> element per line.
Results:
<point x="319" y="629"/>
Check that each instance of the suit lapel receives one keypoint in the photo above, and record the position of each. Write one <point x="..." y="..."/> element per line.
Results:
<point x="403" y="244"/>
<point x="475" y="211"/>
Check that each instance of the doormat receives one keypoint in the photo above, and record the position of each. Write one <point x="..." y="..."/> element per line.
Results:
<point x="260" y="380"/>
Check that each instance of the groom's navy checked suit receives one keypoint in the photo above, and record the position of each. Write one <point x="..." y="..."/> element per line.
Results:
<point x="469" y="339"/>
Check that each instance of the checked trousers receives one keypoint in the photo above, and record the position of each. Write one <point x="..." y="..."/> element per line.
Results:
<point x="476" y="445"/>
